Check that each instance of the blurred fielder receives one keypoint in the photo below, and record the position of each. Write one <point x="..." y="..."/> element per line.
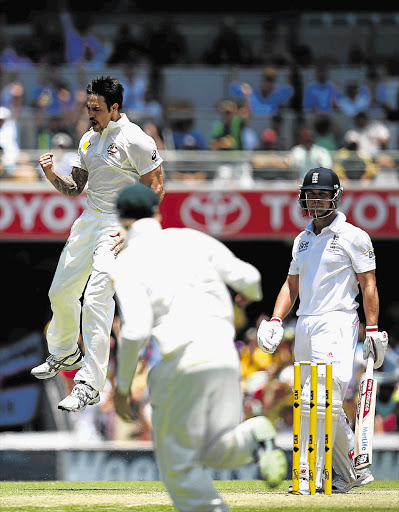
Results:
<point x="113" y="154"/>
<point x="178" y="294"/>
<point x="330" y="258"/>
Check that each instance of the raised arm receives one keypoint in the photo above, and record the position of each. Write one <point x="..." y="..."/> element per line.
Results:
<point x="71" y="185"/>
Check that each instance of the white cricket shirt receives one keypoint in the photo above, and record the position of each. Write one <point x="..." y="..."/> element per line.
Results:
<point x="115" y="159"/>
<point x="171" y="284"/>
<point x="327" y="265"/>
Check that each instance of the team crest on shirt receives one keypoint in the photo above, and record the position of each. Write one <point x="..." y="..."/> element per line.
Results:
<point x="333" y="247"/>
<point x="112" y="149"/>
<point x="303" y="246"/>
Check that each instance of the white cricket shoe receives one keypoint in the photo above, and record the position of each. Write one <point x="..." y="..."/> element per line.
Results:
<point x="272" y="461"/>
<point x="81" y="395"/>
<point x="54" y="365"/>
<point x="341" y="486"/>
<point x="303" y="480"/>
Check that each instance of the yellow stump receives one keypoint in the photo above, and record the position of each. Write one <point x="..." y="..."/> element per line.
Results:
<point x="312" y="454"/>
<point x="328" y="434"/>
<point x="296" y="428"/>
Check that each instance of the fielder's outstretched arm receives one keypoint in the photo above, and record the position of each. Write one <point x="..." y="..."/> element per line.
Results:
<point x="71" y="185"/>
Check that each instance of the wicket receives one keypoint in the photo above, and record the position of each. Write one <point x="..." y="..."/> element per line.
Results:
<point x="312" y="445"/>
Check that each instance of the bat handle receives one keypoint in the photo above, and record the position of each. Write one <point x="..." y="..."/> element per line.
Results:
<point x="370" y="367"/>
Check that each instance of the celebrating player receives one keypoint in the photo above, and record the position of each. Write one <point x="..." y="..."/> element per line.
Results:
<point x="113" y="154"/>
<point x="195" y="389"/>
<point x="330" y="258"/>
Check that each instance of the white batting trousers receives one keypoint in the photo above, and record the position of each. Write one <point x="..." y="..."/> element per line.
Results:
<point x="86" y="258"/>
<point x="331" y="337"/>
<point x="196" y="415"/>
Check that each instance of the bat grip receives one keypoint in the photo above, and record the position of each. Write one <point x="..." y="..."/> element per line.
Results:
<point x="370" y="367"/>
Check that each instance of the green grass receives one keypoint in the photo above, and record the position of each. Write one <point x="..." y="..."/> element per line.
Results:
<point x="241" y="496"/>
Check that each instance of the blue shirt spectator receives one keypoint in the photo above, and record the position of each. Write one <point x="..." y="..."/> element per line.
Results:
<point x="320" y="94"/>
<point x="355" y="99"/>
<point x="268" y="98"/>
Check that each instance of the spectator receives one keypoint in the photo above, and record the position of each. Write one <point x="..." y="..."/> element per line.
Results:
<point x="271" y="48"/>
<point x="308" y="155"/>
<point x="320" y="94"/>
<point x="184" y="134"/>
<point x="356" y="98"/>
<point x="268" y="163"/>
<point x="252" y="358"/>
<point x="151" y="129"/>
<point x="350" y="163"/>
<point x="167" y="45"/>
<point x="372" y="135"/>
<point x="268" y="98"/>
<point x="325" y="132"/>
<point x="127" y="48"/>
<point x="81" y="46"/>
<point x="134" y="85"/>
<point x="8" y="140"/>
<point x="378" y="91"/>
<point x="227" y="132"/>
<point x="228" y="47"/>
<point x="150" y="108"/>
<point x="52" y="94"/>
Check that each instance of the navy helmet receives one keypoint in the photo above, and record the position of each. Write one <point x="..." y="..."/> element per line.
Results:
<point x="320" y="178"/>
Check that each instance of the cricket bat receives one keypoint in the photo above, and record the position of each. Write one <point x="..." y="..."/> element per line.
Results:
<point x="365" y="414"/>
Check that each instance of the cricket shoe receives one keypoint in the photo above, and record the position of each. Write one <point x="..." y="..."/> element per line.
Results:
<point x="272" y="461"/>
<point x="54" y="365"/>
<point x="303" y="480"/>
<point x="341" y="486"/>
<point x="81" y="395"/>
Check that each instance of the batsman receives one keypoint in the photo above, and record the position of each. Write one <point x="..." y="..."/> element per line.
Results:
<point x="330" y="259"/>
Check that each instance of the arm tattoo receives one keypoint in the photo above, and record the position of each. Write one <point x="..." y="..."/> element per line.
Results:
<point x="73" y="184"/>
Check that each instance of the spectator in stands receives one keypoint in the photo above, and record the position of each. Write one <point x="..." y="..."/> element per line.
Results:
<point x="271" y="48"/>
<point x="227" y="131"/>
<point x="127" y="48"/>
<point x="350" y="163"/>
<point x="167" y="45"/>
<point x="354" y="99"/>
<point x="252" y="358"/>
<point x="320" y="94"/>
<point x="63" y="157"/>
<point x="81" y="45"/>
<point x="267" y="162"/>
<point x="150" y="108"/>
<point x="184" y="134"/>
<point x="135" y="86"/>
<point x="268" y="98"/>
<point x="372" y="136"/>
<point x="52" y="94"/>
<point x="378" y="91"/>
<point x="228" y="47"/>
<point x="308" y="155"/>
<point x="325" y="131"/>
<point x="151" y="129"/>
<point x="9" y="140"/>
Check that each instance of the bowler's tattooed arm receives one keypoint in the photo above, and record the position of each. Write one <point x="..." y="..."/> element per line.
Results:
<point x="73" y="184"/>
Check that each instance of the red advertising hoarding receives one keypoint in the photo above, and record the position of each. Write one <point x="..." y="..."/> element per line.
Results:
<point x="232" y="214"/>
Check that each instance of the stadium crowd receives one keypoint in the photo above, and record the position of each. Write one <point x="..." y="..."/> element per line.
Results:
<point x="308" y="116"/>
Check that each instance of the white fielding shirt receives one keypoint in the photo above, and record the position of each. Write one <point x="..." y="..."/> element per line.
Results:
<point x="327" y="265"/>
<point x="172" y="284"/>
<point x="115" y="159"/>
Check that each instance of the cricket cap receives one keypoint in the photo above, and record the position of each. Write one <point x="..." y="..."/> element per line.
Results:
<point x="136" y="202"/>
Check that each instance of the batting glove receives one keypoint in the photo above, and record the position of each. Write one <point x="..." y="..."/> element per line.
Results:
<point x="270" y="334"/>
<point x="376" y="343"/>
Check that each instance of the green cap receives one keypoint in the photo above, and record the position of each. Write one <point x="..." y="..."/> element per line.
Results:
<point x="136" y="202"/>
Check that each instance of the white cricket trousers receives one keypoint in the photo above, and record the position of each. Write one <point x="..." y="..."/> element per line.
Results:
<point x="196" y="415"/>
<point x="331" y="337"/>
<point x="85" y="259"/>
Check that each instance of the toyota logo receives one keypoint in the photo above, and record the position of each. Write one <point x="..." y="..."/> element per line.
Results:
<point x="216" y="213"/>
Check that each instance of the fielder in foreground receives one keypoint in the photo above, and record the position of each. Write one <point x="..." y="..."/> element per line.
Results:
<point x="330" y="258"/>
<point x="113" y="154"/>
<point x="178" y="294"/>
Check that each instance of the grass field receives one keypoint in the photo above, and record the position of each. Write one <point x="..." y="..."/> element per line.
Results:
<point x="241" y="496"/>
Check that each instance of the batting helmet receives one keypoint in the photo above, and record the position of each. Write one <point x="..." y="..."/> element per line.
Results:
<point x="320" y="178"/>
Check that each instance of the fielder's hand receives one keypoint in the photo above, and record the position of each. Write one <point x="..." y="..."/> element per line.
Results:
<point x="270" y="334"/>
<point x="122" y="406"/>
<point x="119" y="236"/>
<point x="375" y="343"/>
